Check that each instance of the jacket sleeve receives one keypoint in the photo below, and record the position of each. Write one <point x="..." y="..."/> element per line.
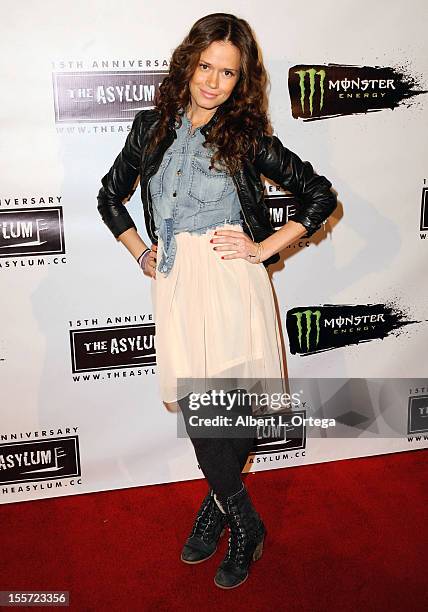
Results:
<point x="120" y="181"/>
<point x="281" y="165"/>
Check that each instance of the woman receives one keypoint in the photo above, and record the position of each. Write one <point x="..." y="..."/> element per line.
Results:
<point x="199" y="155"/>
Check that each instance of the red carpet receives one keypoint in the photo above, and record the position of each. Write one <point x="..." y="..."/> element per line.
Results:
<point x="346" y="535"/>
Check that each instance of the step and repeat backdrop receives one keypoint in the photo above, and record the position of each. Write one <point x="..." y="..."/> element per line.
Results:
<point x="80" y="408"/>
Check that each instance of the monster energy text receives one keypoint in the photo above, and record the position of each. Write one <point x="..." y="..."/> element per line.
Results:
<point x="350" y="87"/>
<point x="309" y="322"/>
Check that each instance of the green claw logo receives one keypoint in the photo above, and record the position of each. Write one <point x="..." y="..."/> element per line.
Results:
<point x="308" y="314"/>
<point x="311" y="72"/>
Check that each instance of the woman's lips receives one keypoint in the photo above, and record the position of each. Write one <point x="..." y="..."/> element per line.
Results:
<point x="208" y="95"/>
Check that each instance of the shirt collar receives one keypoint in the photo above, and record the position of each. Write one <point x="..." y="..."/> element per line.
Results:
<point x="204" y="128"/>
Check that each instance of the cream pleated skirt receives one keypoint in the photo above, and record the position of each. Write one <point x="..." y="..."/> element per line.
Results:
<point x="214" y="318"/>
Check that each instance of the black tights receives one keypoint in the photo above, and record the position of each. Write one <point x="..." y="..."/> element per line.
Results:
<point x="221" y="461"/>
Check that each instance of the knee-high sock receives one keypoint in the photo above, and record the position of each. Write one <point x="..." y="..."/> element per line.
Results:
<point x="221" y="459"/>
<point x="242" y="448"/>
<point x="220" y="464"/>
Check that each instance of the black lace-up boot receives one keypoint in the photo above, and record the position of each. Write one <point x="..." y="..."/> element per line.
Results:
<point x="208" y="528"/>
<point x="247" y="533"/>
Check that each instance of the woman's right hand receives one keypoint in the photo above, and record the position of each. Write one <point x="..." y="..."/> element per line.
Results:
<point x="149" y="263"/>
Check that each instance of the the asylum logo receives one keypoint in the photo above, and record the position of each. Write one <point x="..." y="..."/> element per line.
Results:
<point x="282" y="208"/>
<point x="282" y="205"/>
<point x="332" y="90"/>
<point x="117" y="346"/>
<point x="31" y="231"/>
<point x="99" y="96"/>
<point x="36" y="460"/>
<point x="281" y="435"/>
<point x="417" y="415"/>
<point x="313" y="329"/>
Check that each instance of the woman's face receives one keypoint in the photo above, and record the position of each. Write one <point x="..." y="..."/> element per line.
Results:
<point x="215" y="76"/>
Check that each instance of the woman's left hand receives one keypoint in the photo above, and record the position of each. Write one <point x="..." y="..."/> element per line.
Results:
<point x="238" y="242"/>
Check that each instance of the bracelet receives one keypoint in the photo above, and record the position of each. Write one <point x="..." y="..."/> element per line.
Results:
<point x="140" y="259"/>
<point x="258" y="253"/>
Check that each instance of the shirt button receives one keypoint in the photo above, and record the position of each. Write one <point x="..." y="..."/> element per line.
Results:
<point x="178" y="172"/>
<point x="174" y="194"/>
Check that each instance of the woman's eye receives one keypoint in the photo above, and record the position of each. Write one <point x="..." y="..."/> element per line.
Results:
<point x="203" y="65"/>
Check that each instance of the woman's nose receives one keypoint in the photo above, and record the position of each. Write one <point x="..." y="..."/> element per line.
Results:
<point x="212" y="80"/>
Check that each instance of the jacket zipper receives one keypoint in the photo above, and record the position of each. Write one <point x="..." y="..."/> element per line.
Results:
<point x="242" y="208"/>
<point x="248" y="225"/>
<point x="148" y="207"/>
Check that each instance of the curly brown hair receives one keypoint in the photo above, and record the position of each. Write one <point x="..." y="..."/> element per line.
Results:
<point x="243" y="117"/>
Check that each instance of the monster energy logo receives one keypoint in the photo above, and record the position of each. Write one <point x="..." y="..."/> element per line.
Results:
<point x="307" y="314"/>
<point x="302" y="80"/>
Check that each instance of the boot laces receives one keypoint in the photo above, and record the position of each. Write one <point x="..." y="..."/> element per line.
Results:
<point x="238" y="538"/>
<point x="206" y="520"/>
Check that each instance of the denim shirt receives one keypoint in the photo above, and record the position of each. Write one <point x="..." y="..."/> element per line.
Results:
<point x="188" y="194"/>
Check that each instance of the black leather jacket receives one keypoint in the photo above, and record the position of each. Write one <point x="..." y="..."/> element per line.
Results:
<point x="273" y="160"/>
